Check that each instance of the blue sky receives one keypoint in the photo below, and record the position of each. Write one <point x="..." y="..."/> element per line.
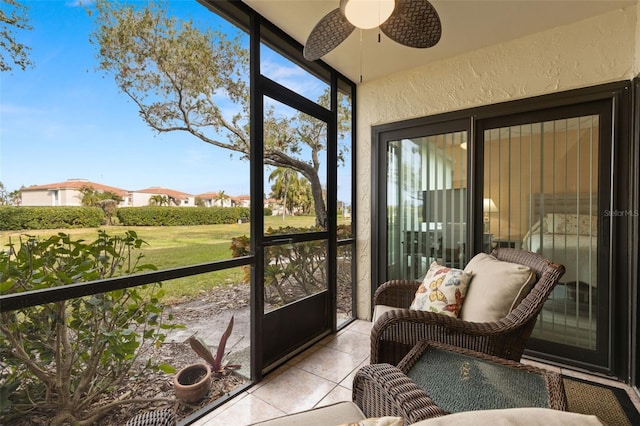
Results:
<point x="63" y="119"/>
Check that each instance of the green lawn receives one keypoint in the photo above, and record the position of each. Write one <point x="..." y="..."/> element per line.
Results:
<point x="174" y="246"/>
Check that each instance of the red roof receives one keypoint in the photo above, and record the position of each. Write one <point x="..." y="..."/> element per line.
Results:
<point x="176" y="195"/>
<point x="209" y="195"/>
<point x="77" y="184"/>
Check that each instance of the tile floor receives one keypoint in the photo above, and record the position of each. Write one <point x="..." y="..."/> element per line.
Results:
<point x="321" y="375"/>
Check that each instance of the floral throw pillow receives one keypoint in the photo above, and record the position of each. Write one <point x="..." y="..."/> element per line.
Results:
<point x="442" y="291"/>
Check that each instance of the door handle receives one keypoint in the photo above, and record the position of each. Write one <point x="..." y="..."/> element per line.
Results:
<point x="279" y="241"/>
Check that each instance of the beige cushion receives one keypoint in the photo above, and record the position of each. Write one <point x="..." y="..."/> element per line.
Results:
<point x="334" y="414"/>
<point x="442" y="290"/>
<point x="513" y="417"/>
<point x="497" y="288"/>
<point x="378" y="421"/>
<point x="378" y="310"/>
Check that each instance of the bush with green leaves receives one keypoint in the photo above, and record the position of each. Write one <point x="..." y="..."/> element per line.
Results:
<point x="180" y="216"/>
<point x="62" y="361"/>
<point x="59" y="217"/>
<point x="296" y="270"/>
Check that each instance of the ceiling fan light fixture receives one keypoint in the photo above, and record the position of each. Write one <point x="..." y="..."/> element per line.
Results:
<point x="412" y="23"/>
<point x="367" y="14"/>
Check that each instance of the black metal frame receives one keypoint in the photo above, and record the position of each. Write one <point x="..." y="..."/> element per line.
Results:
<point x="266" y="356"/>
<point x="621" y="186"/>
<point x="634" y="273"/>
<point x="10" y="302"/>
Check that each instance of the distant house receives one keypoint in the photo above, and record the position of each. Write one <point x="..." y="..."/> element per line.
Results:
<point x="144" y="197"/>
<point x="276" y="206"/>
<point x="211" y="199"/>
<point x="242" y="200"/>
<point x="66" y="193"/>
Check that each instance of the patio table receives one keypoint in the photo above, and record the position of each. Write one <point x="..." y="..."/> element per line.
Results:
<point x="460" y="380"/>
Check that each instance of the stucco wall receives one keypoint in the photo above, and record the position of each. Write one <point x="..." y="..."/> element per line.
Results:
<point x="139" y="199"/>
<point x="597" y="50"/>
<point x="46" y="197"/>
<point x="37" y="198"/>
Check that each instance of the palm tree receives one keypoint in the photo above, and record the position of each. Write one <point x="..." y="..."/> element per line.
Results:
<point x="16" y="197"/>
<point x="222" y="197"/>
<point x="90" y="196"/>
<point x="158" y="200"/>
<point x="281" y="177"/>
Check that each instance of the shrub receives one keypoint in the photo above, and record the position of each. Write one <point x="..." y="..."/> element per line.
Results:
<point x="60" y="360"/>
<point x="180" y="216"/>
<point x="293" y="270"/>
<point x="14" y="218"/>
<point x="241" y="246"/>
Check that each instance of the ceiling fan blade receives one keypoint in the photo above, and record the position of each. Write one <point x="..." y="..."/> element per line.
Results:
<point x="328" y="33"/>
<point x="413" y="23"/>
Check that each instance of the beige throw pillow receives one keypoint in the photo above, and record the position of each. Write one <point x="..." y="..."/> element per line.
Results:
<point x="497" y="288"/>
<point x="442" y="290"/>
<point x="525" y="416"/>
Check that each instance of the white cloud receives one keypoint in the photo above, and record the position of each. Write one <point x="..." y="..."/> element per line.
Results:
<point x="277" y="71"/>
<point x="294" y="78"/>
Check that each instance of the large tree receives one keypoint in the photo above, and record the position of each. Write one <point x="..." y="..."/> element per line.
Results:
<point x="10" y="198"/>
<point x="108" y="201"/>
<point x="177" y="74"/>
<point x="16" y="197"/>
<point x="91" y="197"/>
<point x="13" y="17"/>
<point x="5" y="198"/>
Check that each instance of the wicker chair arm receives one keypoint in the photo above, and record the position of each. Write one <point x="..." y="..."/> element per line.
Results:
<point x="406" y="327"/>
<point x="383" y="390"/>
<point x="396" y="293"/>
<point x="427" y="318"/>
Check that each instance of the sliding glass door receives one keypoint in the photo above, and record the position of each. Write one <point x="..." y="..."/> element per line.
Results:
<point x="426" y="190"/>
<point x="542" y="180"/>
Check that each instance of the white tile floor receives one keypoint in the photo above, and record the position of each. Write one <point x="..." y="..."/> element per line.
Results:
<point x="321" y="375"/>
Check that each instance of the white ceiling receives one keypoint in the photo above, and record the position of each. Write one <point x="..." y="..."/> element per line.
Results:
<point x="466" y="25"/>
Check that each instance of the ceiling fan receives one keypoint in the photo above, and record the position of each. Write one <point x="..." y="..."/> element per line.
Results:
<point x="413" y="23"/>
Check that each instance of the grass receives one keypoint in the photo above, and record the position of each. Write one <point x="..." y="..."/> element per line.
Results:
<point x="174" y="246"/>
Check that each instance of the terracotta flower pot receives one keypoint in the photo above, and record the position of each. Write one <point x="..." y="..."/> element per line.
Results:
<point x="192" y="383"/>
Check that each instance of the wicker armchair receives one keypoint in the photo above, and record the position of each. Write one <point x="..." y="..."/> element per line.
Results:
<point x="395" y="332"/>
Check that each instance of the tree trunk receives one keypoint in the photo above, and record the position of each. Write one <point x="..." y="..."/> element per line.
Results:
<point x="318" y="201"/>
